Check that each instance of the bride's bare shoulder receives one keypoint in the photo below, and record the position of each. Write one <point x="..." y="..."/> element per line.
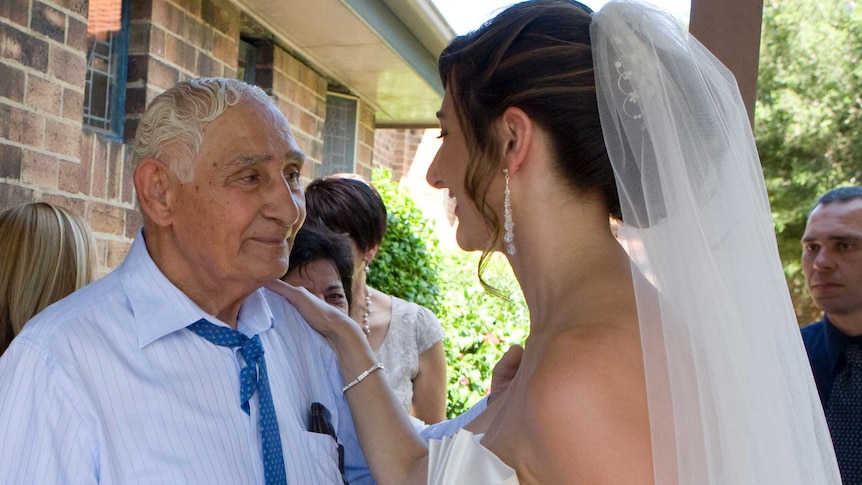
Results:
<point x="586" y="409"/>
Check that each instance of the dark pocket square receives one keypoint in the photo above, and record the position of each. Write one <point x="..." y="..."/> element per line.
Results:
<point x="320" y="421"/>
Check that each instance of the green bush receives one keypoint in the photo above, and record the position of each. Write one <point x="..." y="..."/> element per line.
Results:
<point x="408" y="262"/>
<point x="479" y="327"/>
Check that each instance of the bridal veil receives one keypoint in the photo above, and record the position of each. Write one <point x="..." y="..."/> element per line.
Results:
<point x="731" y="396"/>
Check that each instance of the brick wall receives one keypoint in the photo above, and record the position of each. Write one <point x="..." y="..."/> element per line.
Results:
<point x="46" y="154"/>
<point x="395" y="149"/>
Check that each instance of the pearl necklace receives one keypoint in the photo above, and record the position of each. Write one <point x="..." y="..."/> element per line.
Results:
<point x="365" y="327"/>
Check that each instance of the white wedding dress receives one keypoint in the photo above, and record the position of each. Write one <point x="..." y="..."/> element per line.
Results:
<point x="463" y="459"/>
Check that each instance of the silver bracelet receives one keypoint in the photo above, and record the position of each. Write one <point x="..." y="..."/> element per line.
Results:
<point x="359" y="378"/>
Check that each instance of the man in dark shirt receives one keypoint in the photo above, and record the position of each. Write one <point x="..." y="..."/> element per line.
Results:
<point x="832" y="262"/>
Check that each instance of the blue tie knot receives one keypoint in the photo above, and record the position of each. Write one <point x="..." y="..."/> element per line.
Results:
<point x="251" y="349"/>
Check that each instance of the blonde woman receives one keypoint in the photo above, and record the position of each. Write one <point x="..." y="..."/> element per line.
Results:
<point x="46" y="253"/>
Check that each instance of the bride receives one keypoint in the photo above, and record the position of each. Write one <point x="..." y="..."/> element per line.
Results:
<point x="663" y="347"/>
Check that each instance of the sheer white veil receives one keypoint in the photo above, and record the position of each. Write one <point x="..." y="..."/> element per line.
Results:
<point x="731" y="396"/>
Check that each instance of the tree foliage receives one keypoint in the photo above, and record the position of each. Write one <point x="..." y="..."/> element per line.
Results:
<point x="808" y="120"/>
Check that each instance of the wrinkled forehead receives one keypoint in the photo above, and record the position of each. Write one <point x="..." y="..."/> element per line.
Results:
<point x="254" y="124"/>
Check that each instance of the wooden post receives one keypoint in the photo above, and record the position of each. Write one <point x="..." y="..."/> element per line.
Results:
<point x="730" y="29"/>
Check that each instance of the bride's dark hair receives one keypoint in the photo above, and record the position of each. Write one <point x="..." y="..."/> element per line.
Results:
<point x="535" y="56"/>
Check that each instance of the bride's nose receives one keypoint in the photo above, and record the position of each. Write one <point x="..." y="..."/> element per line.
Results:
<point x="432" y="176"/>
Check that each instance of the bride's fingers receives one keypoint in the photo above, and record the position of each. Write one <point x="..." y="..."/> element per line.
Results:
<point x="321" y="316"/>
<point x="296" y="295"/>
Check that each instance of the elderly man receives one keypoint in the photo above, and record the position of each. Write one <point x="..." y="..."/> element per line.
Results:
<point x="177" y="367"/>
<point x="832" y="262"/>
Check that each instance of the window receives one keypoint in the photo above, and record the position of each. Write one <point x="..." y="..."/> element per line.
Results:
<point x="107" y="53"/>
<point x="339" y="135"/>
<point x="247" y="63"/>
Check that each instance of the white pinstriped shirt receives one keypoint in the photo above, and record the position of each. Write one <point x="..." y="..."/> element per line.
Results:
<point x="107" y="386"/>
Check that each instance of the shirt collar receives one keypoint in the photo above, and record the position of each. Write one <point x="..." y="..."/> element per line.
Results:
<point x="836" y="341"/>
<point x="160" y="308"/>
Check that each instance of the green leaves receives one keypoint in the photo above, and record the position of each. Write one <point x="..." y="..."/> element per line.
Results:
<point x="808" y="120"/>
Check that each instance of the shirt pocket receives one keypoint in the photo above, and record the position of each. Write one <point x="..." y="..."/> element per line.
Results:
<point x="317" y="461"/>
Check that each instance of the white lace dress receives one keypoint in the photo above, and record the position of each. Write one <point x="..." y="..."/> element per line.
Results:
<point x="413" y="329"/>
<point x="461" y="459"/>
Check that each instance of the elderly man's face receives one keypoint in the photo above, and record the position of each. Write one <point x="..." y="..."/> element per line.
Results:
<point x="237" y="217"/>
<point x="832" y="256"/>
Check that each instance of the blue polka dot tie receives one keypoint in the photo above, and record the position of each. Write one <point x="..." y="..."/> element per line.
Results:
<point x="251" y="377"/>
<point x="844" y="416"/>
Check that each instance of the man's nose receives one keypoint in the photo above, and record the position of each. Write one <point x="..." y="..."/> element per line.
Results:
<point x="285" y="203"/>
<point x="824" y="260"/>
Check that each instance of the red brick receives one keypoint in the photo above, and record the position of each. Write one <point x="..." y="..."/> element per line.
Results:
<point x="12" y="195"/>
<point x="128" y="188"/>
<point x="74" y="204"/>
<point x="309" y="169"/>
<point x="225" y="49"/>
<point x="206" y="66"/>
<point x="39" y="169"/>
<point x="309" y="79"/>
<point x="24" y="127"/>
<point x="20" y="47"/>
<point x="221" y="15"/>
<point x="106" y="218"/>
<point x="73" y="105"/>
<point x="179" y="52"/>
<point x="139" y="37"/>
<point x="78" y="7"/>
<point x="44" y="95"/>
<point x="62" y="137"/>
<point x="76" y="36"/>
<point x="115" y="170"/>
<point x="193" y="7"/>
<point x="48" y="21"/>
<point x="134" y="222"/>
<point x="74" y="176"/>
<point x="13" y="83"/>
<point x="10" y="161"/>
<point x="167" y="16"/>
<point x="99" y="177"/>
<point x="85" y="147"/>
<point x="15" y="10"/>
<point x="363" y="154"/>
<point x="198" y="34"/>
<point x="101" y="253"/>
<point x="142" y="10"/>
<point x="161" y="75"/>
<point x="157" y="41"/>
<point x="117" y="251"/>
<point x="68" y="65"/>
<point x="130" y="127"/>
<point x="229" y="71"/>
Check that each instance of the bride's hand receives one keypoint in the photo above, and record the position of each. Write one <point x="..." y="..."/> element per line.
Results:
<point x="327" y="320"/>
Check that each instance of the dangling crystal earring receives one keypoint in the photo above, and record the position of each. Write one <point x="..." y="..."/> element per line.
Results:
<point x="508" y="225"/>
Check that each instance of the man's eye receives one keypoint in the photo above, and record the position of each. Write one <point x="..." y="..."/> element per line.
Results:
<point x="292" y="176"/>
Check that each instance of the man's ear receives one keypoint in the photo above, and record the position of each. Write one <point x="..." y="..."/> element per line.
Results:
<point x="516" y="130"/>
<point x="156" y="186"/>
